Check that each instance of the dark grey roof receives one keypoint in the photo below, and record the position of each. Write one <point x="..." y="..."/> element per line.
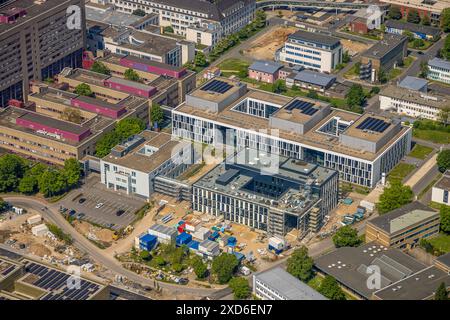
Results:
<point x="54" y="123"/>
<point x="287" y="285"/>
<point x="419" y="28"/>
<point x="384" y="221"/>
<point x="382" y="47"/>
<point x="100" y="103"/>
<point x="444" y="182"/>
<point x="316" y="78"/>
<point x="315" y="37"/>
<point x="413" y="83"/>
<point x="439" y="63"/>
<point x="444" y="259"/>
<point x="348" y="265"/>
<point x="266" y="66"/>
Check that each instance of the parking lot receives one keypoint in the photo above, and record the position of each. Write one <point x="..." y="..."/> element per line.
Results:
<point x="102" y="206"/>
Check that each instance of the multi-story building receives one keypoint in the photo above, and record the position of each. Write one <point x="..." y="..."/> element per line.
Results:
<point x="265" y="71"/>
<point x="412" y="103"/>
<point x="366" y="19"/>
<point x="268" y="192"/>
<point x="432" y="9"/>
<point x="441" y="190"/>
<point x="419" y="31"/>
<point x="383" y="56"/>
<point x="312" y="51"/>
<point x="404" y="227"/>
<point x="37" y="42"/>
<point x="204" y="22"/>
<point x="278" y="284"/>
<point x="359" y="147"/>
<point x="132" y="166"/>
<point x="439" y="70"/>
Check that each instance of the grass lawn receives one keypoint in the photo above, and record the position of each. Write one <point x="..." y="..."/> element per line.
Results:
<point x="351" y="72"/>
<point x="441" y="242"/>
<point x="432" y="135"/>
<point x="401" y="171"/>
<point x="420" y="152"/>
<point x="231" y="67"/>
<point x="407" y="61"/>
<point x="425" y="46"/>
<point x="317" y="280"/>
<point x="394" y="73"/>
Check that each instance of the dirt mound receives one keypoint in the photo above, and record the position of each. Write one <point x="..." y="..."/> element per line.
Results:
<point x="265" y="46"/>
<point x="39" y="250"/>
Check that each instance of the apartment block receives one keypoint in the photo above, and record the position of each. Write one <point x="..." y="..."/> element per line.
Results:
<point x="203" y="22"/>
<point x="412" y="103"/>
<point x="312" y="51"/>
<point x="439" y="70"/>
<point x="359" y="147"/>
<point x="404" y="227"/>
<point x="37" y="42"/>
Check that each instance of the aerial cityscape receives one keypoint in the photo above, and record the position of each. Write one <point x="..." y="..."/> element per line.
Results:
<point x="224" y="150"/>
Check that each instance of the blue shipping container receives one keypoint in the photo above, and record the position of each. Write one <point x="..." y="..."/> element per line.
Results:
<point x="147" y="242"/>
<point x="183" y="238"/>
<point x="193" y="245"/>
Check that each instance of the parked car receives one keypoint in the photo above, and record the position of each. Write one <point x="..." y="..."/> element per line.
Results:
<point x="82" y="200"/>
<point x="99" y="205"/>
<point x="72" y="212"/>
<point x="120" y="212"/>
<point x="80" y="216"/>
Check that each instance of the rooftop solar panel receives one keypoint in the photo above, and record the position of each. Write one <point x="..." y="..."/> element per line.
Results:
<point x="304" y="106"/>
<point x="373" y="124"/>
<point x="217" y="86"/>
<point x="8" y="270"/>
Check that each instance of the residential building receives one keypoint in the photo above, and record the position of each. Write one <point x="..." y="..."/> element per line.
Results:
<point x="383" y="56"/>
<point x="132" y="166"/>
<point x="412" y="103"/>
<point x="404" y="227"/>
<point x="419" y="31"/>
<point x="432" y="9"/>
<point x="441" y="189"/>
<point x="402" y="277"/>
<point x="312" y="51"/>
<point x="359" y="147"/>
<point x="268" y="193"/>
<point x="278" y="284"/>
<point x="310" y="80"/>
<point x="204" y="22"/>
<point x="36" y="43"/>
<point x="265" y="71"/>
<point x="439" y="70"/>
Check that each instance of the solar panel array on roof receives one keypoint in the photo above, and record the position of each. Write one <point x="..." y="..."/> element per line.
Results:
<point x="373" y="124"/>
<point x="8" y="270"/>
<point x="56" y="282"/>
<point x="217" y="86"/>
<point x="305" y="107"/>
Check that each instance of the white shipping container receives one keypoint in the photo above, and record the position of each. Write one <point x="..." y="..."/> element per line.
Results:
<point x="39" y="230"/>
<point x="202" y="233"/>
<point x="34" y="219"/>
<point x="190" y="227"/>
<point x="277" y="243"/>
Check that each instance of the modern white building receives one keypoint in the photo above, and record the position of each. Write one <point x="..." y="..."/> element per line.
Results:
<point x="412" y="103"/>
<point x="312" y="51"/>
<point x="278" y="284"/>
<point x="441" y="189"/>
<point x="439" y="70"/>
<point x="359" y="147"/>
<point x="202" y="21"/>
<point x="132" y="167"/>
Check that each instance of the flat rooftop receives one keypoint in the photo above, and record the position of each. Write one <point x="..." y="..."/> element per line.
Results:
<point x="7" y="267"/>
<point x="100" y="13"/>
<point x="383" y="47"/>
<point x="288" y="285"/>
<point x="439" y="63"/>
<point x="138" y="160"/>
<point x="404" y="217"/>
<point x="432" y="99"/>
<point x="349" y="266"/>
<point x="151" y="43"/>
<point x="217" y="90"/>
<point x="315" y="38"/>
<point x="432" y="5"/>
<point x="53" y="123"/>
<point x="444" y="182"/>
<point x="312" y="137"/>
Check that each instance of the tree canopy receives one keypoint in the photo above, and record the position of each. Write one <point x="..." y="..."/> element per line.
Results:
<point x="12" y="169"/>
<point x="240" y="288"/>
<point x="331" y="289"/>
<point x="99" y="67"/>
<point x="300" y="265"/>
<point x="224" y="266"/>
<point x="445" y="20"/>
<point x="131" y="75"/>
<point x="394" y="13"/>
<point x="200" y="268"/>
<point x="346" y="237"/>
<point x="200" y="60"/>
<point x="443" y="160"/>
<point x="445" y="218"/>
<point x="139" y="12"/>
<point x="394" y="196"/>
<point x="84" y="89"/>
<point x="413" y="16"/>
<point x="441" y="292"/>
<point x="356" y="97"/>
<point x="3" y="205"/>
<point x="156" y="114"/>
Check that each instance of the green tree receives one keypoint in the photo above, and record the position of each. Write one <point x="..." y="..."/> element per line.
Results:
<point x="441" y="292"/>
<point x="425" y="20"/>
<point x="300" y="265"/>
<point x="156" y="114"/>
<point x="106" y="143"/>
<point x="312" y="94"/>
<point x="418" y="43"/>
<point x="100" y="68"/>
<point x="382" y="76"/>
<point x="346" y="237"/>
<point x="131" y="75"/>
<point x="52" y="183"/>
<point x="375" y="90"/>
<point x="200" y="60"/>
<point x="413" y="16"/>
<point x="72" y="171"/>
<point x="346" y="57"/>
<point x="168" y="29"/>
<point x="3" y="205"/>
<point x="445" y="20"/>
<point x="129" y="127"/>
<point x="159" y="261"/>
<point x="12" y="169"/>
<point x="279" y="86"/>
<point x="84" y="89"/>
<point x="331" y="289"/>
<point x="444" y="212"/>
<point x="72" y="115"/>
<point x="443" y="160"/>
<point x="145" y="255"/>
<point x="409" y="35"/>
<point x="395" y="13"/>
<point x="423" y="69"/>
<point x="394" y="196"/>
<point x="28" y="185"/>
<point x="446" y="48"/>
<point x="240" y="287"/>
<point x="355" y="96"/>
<point x="139" y="12"/>
<point x="444" y="115"/>
<point x="200" y="268"/>
<point x="224" y="266"/>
